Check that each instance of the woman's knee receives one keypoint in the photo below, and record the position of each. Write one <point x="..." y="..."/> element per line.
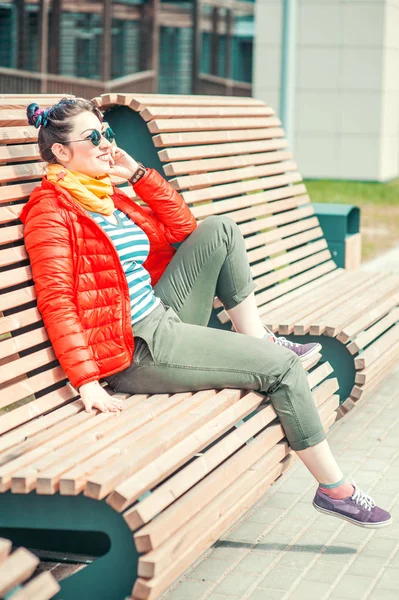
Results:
<point x="222" y="225"/>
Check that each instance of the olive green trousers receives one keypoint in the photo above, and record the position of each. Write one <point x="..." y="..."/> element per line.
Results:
<point x="175" y="351"/>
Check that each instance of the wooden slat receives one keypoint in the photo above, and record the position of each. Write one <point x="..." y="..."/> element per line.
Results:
<point x="10" y="346"/>
<point x="214" y="137"/>
<point x="369" y="318"/>
<point x="367" y="296"/>
<point x="310" y="308"/>
<point x="383" y="344"/>
<point x="19" y="153"/>
<point x="193" y="182"/>
<point x="262" y="210"/>
<point x="288" y="258"/>
<point x="18" y="320"/>
<point x="24" y="365"/>
<point x="241" y="187"/>
<point x="15" y="277"/>
<point x="173" y="112"/>
<point x="285" y="246"/>
<point x="16" y="569"/>
<point x="104" y="481"/>
<point x="12" y="117"/>
<point x="319" y="374"/>
<point x="5" y="548"/>
<point x="19" y="191"/>
<point x="36" y="408"/>
<point x="12" y="255"/>
<point x="139" y="102"/>
<point x="18" y="135"/>
<point x="241" y="202"/>
<point x="205" y="125"/>
<point x="42" y="587"/>
<point x="167" y="524"/>
<point x="166" y="494"/>
<point x="226" y="149"/>
<point x="374" y="332"/>
<point x="207" y="165"/>
<point x="366" y="375"/>
<point x="171" y="460"/>
<point x="18" y="297"/>
<point x="73" y="446"/>
<point x="297" y="294"/>
<point x="296" y="281"/>
<point x="255" y="487"/>
<point x="21" y="172"/>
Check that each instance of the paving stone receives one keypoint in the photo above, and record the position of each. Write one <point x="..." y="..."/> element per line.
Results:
<point x="383" y="595"/>
<point x="282" y="500"/>
<point x="379" y="547"/>
<point x="352" y="586"/>
<point x="323" y="571"/>
<point x="280" y="578"/>
<point x="227" y="552"/>
<point x="255" y="562"/>
<point x="265" y="594"/>
<point x="288" y="528"/>
<point x="340" y="553"/>
<point x="235" y="584"/>
<point x="369" y="565"/>
<point x="248" y="531"/>
<point x="327" y="523"/>
<point x="266" y="515"/>
<point x="296" y="559"/>
<point x="316" y="537"/>
<point x="219" y="597"/>
<point x="352" y="535"/>
<point x="190" y="589"/>
<point x="389" y="580"/>
<point x="210" y="569"/>
<point x="309" y="589"/>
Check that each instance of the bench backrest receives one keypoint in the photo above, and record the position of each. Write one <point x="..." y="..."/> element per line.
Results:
<point x="229" y="156"/>
<point x="225" y="155"/>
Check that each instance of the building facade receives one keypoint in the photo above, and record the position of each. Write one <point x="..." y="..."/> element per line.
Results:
<point x="105" y="40"/>
<point x="347" y="84"/>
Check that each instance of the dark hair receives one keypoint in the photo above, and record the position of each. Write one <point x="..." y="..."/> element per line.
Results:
<point x="55" y="122"/>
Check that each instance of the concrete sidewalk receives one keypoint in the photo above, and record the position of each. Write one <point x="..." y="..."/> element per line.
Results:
<point x="284" y="550"/>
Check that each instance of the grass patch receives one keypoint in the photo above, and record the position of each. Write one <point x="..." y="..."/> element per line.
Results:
<point x="379" y="210"/>
<point x="353" y="192"/>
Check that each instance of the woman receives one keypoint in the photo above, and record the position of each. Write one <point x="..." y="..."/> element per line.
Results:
<point x="120" y="304"/>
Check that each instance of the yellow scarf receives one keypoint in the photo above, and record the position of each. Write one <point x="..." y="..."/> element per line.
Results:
<point x="92" y="194"/>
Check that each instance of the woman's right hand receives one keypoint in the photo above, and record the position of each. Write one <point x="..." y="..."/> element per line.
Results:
<point x="94" y="396"/>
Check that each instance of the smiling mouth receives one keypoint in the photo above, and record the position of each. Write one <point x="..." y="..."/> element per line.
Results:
<point x="105" y="157"/>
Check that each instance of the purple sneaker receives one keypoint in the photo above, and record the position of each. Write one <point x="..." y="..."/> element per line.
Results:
<point x="358" y="509"/>
<point x="304" y="351"/>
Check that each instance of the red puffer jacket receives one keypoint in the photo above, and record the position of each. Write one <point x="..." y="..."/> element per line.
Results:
<point x="81" y="288"/>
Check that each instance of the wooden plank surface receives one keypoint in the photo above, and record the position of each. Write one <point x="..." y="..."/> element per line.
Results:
<point x="172" y="112"/>
<point x="164" y="465"/>
<point x="223" y="149"/>
<point x="215" y="137"/>
<point x="25" y="152"/>
<point x="18" y="135"/>
<point x="15" y="569"/>
<point x="209" y="124"/>
<point x="42" y="587"/>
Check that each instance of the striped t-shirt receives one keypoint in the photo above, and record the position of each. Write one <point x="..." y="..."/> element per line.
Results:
<point x="132" y="246"/>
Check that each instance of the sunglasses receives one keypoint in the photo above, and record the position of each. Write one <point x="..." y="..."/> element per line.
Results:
<point x="95" y="137"/>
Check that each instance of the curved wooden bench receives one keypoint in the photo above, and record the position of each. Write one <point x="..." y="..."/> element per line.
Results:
<point x="16" y="569"/>
<point x="229" y="156"/>
<point x="176" y="470"/>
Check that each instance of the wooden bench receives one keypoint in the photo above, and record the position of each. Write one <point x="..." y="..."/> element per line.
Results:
<point x="16" y="569"/>
<point x="229" y="156"/>
<point x="178" y="470"/>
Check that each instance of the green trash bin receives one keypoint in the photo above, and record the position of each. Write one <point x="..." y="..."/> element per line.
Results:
<point x="341" y="224"/>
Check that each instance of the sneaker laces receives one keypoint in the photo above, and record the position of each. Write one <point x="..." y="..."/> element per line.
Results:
<point x="363" y="499"/>
<point x="282" y="341"/>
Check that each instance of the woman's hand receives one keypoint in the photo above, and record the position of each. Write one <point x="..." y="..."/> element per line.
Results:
<point x="124" y="165"/>
<point x="94" y="396"/>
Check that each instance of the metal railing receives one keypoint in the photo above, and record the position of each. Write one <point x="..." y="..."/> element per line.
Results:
<point x="218" y="86"/>
<point x="13" y="81"/>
